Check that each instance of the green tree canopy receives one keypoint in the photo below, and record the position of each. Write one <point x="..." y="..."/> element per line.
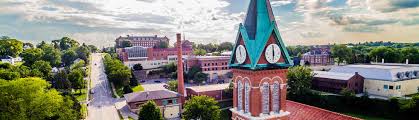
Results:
<point x="51" y="55"/>
<point x="150" y="111"/>
<point x="31" y="55"/>
<point x="200" y="52"/>
<point x="200" y="77"/>
<point x="83" y="52"/>
<point x="202" y="108"/>
<point x="299" y="80"/>
<point x="76" y="79"/>
<point x="172" y="85"/>
<point x="30" y="99"/>
<point x="43" y="67"/>
<point x="390" y="55"/>
<point x="341" y="52"/>
<point x="69" y="56"/>
<point x="67" y="43"/>
<point x="138" y="67"/>
<point x="10" y="47"/>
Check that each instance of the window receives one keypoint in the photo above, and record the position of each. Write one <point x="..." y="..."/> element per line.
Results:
<point x="239" y="95"/>
<point x="398" y="87"/>
<point x="385" y="87"/>
<point x="170" y="101"/>
<point x="275" y="97"/>
<point x="390" y="87"/>
<point x="246" y="97"/>
<point x="265" y="98"/>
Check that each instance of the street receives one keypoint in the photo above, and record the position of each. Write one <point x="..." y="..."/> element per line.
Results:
<point x="101" y="106"/>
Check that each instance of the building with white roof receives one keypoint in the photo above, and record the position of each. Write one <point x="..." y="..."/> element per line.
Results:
<point x="386" y="80"/>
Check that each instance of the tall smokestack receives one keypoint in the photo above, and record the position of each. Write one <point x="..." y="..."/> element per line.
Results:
<point x="181" y="86"/>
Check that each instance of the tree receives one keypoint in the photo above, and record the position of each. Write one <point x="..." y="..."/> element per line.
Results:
<point x="69" y="56"/>
<point x="76" y="79"/>
<point x="200" y="52"/>
<point x="52" y="55"/>
<point x="225" y="46"/>
<point x="30" y="98"/>
<point x="347" y="92"/>
<point x="120" y="77"/>
<point x="411" y="53"/>
<point x="43" y="67"/>
<point x="67" y="43"/>
<point x="10" y="47"/>
<point x="163" y="45"/>
<point x="202" y="108"/>
<point x="390" y="55"/>
<point x="137" y="67"/>
<point x="172" y="85"/>
<point x="31" y="55"/>
<point x="169" y="68"/>
<point x="83" y="52"/>
<point x="299" y="80"/>
<point x="150" y="111"/>
<point x="92" y="48"/>
<point x="61" y="80"/>
<point x="341" y="52"/>
<point x="126" y="44"/>
<point x="127" y="89"/>
<point x="192" y="72"/>
<point x="8" y="75"/>
<point x="200" y="77"/>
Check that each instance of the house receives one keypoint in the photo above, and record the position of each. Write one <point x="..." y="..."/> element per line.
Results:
<point x="215" y="91"/>
<point x="386" y="80"/>
<point x="165" y="99"/>
<point x="7" y="59"/>
<point x="334" y="82"/>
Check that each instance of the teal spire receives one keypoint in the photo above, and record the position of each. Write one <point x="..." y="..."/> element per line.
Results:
<point x="259" y="25"/>
<point x="259" y="17"/>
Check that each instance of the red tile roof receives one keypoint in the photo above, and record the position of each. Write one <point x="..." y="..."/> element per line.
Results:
<point x="301" y="111"/>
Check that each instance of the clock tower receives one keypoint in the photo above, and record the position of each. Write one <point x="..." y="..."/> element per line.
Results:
<point x="259" y="62"/>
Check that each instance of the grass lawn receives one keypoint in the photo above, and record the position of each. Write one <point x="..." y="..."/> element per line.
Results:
<point x="138" y="88"/>
<point x="365" y="117"/>
<point x="80" y="96"/>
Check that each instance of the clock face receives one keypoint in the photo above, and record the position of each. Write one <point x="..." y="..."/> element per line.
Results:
<point x="272" y="53"/>
<point x="241" y="54"/>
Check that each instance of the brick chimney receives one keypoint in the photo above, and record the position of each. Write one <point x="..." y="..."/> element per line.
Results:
<point x="181" y="86"/>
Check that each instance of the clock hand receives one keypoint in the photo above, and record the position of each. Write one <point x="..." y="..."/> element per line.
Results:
<point x="273" y="51"/>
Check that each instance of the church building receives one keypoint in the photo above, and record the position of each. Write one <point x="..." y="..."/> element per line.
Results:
<point x="259" y="63"/>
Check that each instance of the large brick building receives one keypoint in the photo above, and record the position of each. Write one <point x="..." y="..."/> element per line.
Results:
<point x="144" y="41"/>
<point x="334" y="82"/>
<point x="319" y="55"/>
<point x="214" y="66"/>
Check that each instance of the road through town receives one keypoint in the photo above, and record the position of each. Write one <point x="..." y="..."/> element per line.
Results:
<point x="101" y="106"/>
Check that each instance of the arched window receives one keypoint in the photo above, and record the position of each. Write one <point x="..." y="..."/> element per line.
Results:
<point x="275" y="97"/>
<point x="246" y="96"/>
<point x="265" y="98"/>
<point x="239" y="95"/>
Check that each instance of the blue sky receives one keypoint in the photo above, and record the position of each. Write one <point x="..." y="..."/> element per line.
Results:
<point x="301" y="22"/>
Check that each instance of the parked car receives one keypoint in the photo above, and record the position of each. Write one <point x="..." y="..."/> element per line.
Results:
<point x="157" y="81"/>
<point x="142" y="81"/>
<point x="92" y="91"/>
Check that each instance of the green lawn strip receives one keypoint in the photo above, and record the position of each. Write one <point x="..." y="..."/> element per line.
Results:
<point x="80" y="96"/>
<point x="365" y="117"/>
<point x="138" y="88"/>
<point x="83" y="111"/>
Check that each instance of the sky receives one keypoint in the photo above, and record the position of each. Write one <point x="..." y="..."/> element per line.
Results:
<point x="300" y="22"/>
